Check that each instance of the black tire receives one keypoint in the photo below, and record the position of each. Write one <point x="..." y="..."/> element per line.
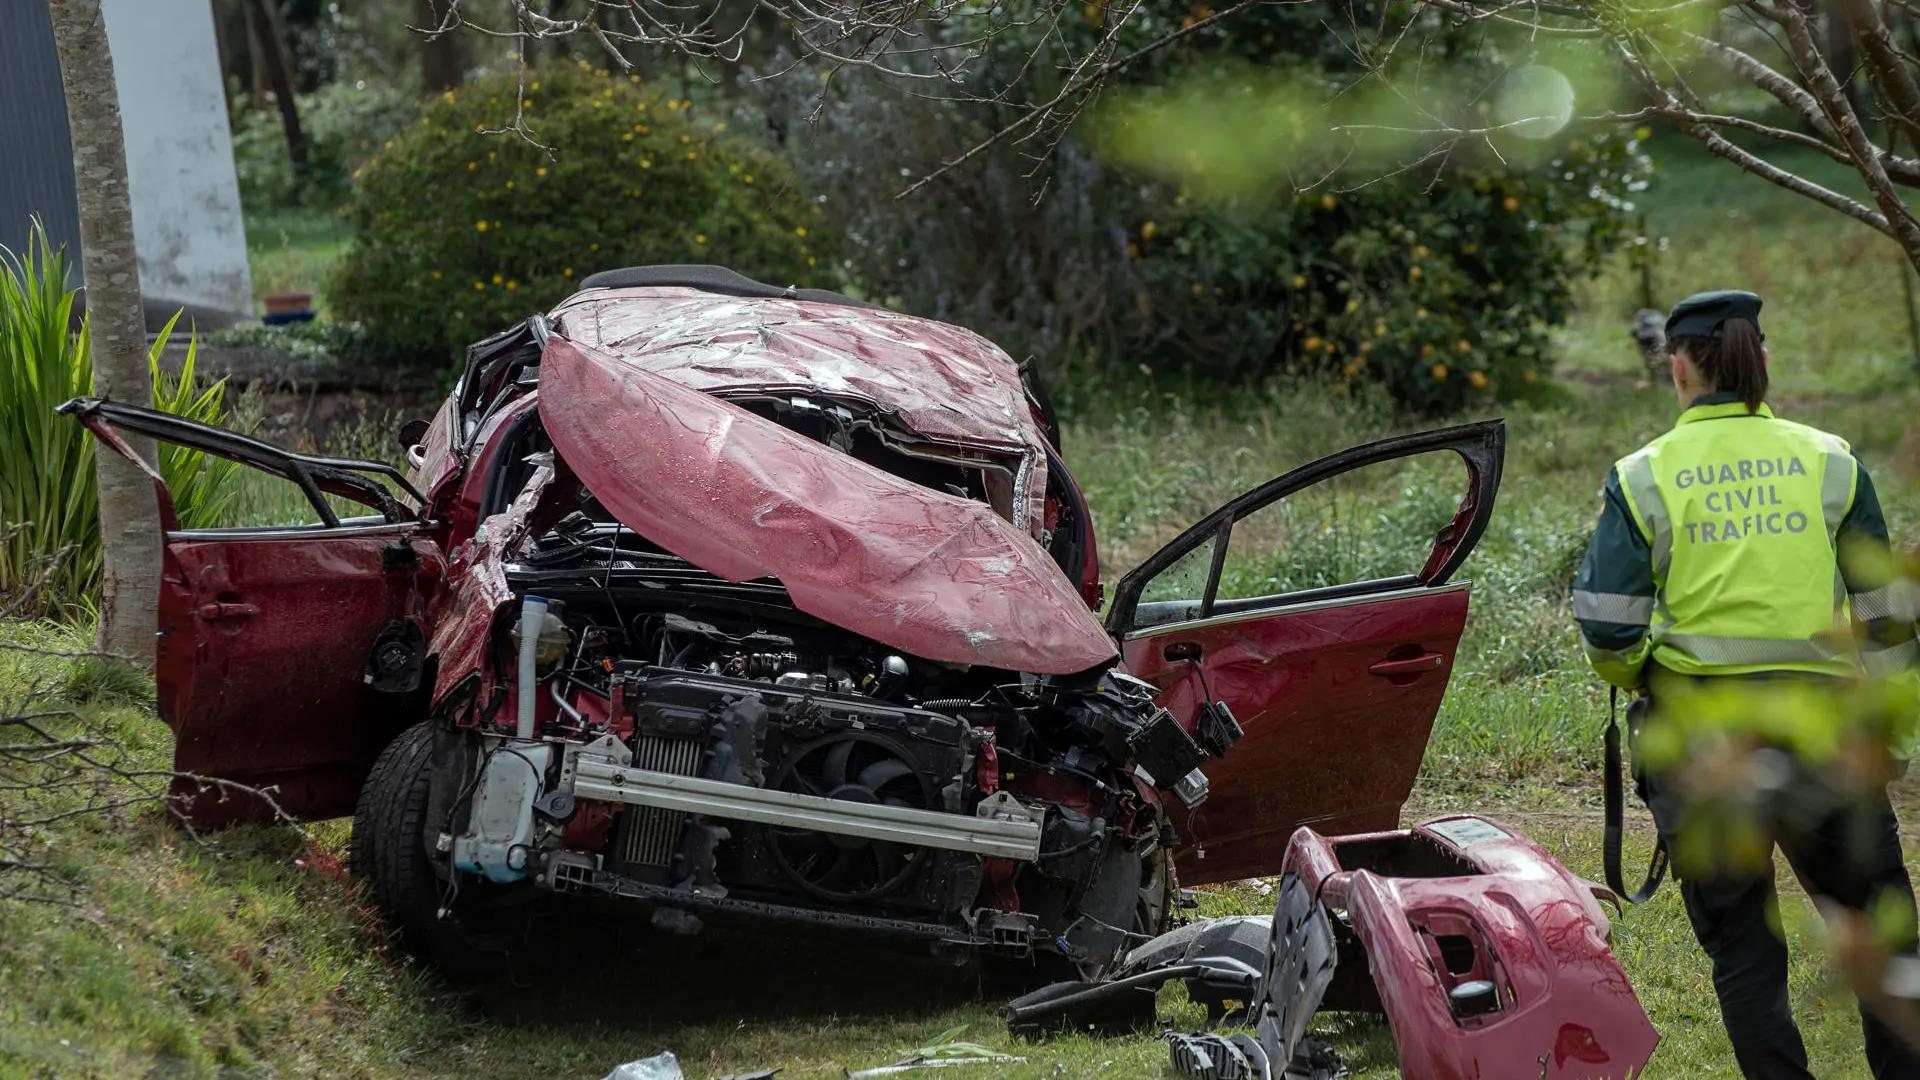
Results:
<point x="391" y="853"/>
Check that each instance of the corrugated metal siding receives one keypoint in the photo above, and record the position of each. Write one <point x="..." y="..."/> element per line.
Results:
<point x="36" y="156"/>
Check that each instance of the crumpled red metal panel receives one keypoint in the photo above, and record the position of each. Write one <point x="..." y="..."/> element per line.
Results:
<point x="462" y="614"/>
<point x="943" y="382"/>
<point x="931" y="574"/>
<point x="1566" y="1009"/>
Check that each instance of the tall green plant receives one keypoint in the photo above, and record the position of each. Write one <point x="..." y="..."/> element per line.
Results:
<point x="49" y="510"/>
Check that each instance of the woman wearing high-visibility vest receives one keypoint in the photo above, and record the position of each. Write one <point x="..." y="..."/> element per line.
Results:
<point x="1735" y="552"/>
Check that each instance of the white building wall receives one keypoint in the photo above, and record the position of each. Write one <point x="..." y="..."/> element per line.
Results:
<point x="187" y="226"/>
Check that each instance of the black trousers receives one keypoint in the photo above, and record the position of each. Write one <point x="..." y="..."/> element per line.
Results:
<point x="1848" y="855"/>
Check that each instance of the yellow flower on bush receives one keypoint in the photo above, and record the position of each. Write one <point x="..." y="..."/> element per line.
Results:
<point x="480" y="225"/>
<point x="1147" y="230"/>
<point x="1478" y="379"/>
<point x="1327" y="202"/>
<point x="1427" y="350"/>
<point x="1439" y="372"/>
<point x="541" y="171"/>
<point x="496" y="279"/>
<point x="800" y="230"/>
<point x="513" y="284"/>
<point x="1463" y="345"/>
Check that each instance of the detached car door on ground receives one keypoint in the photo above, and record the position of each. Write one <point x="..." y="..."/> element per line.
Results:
<point x="1319" y="608"/>
<point x="287" y="656"/>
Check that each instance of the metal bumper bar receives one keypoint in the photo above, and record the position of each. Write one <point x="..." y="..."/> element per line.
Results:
<point x="997" y="837"/>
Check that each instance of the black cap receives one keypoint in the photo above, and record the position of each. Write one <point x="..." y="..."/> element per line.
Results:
<point x="1701" y="314"/>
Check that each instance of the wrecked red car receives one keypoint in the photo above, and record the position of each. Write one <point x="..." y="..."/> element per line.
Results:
<point x="743" y="603"/>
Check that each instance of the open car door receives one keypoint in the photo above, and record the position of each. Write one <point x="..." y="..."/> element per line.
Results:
<point x="287" y="656"/>
<point x="1318" y="607"/>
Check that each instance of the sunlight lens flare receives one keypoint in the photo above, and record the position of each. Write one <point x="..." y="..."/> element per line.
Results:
<point x="1535" y="102"/>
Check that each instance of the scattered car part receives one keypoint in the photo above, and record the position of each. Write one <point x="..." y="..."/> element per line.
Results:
<point x="947" y="1051"/>
<point x="1209" y="1055"/>
<point x="661" y="1066"/>
<point x="1483" y="950"/>
<point x="1300" y="966"/>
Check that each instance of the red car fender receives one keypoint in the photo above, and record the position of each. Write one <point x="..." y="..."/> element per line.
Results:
<point x="1512" y="916"/>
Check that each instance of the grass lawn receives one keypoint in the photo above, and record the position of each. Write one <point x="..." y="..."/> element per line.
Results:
<point x="247" y="956"/>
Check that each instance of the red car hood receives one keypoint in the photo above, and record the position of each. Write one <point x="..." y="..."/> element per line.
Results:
<point x="931" y="574"/>
<point x="948" y="384"/>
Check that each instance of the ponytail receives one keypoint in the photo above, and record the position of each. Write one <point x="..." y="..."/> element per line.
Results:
<point x="1732" y="360"/>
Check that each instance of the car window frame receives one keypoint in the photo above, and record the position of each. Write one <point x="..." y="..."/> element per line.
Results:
<point x="1480" y="446"/>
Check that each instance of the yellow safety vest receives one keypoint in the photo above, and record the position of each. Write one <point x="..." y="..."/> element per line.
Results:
<point x="1742" y="512"/>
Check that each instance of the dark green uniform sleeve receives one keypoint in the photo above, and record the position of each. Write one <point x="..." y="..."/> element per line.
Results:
<point x="1877" y="593"/>
<point x="1613" y="595"/>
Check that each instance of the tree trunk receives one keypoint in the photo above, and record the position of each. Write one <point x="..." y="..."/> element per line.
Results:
<point x="271" y="55"/>
<point x="225" y="53"/>
<point x="443" y="57"/>
<point x="129" y="512"/>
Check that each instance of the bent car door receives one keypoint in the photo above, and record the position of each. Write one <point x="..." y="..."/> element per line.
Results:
<point x="1319" y="608"/>
<point x="287" y="655"/>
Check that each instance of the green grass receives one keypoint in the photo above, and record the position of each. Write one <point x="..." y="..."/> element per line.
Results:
<point x="243" y="956"/>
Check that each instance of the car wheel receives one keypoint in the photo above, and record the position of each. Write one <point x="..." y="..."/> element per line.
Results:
<point x="454" y="921"/>
<point x="1153" y="912"/>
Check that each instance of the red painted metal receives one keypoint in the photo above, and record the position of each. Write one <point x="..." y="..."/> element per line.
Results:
<point x="263" y="640"/>
<point x="938" y="576"/>
<point x="1328" y="742"/>
<point x="1459" y="899"/>
<point x="947" y="384"/>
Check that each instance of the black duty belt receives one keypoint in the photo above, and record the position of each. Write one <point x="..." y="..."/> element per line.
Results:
<point x="1616" y="814"/>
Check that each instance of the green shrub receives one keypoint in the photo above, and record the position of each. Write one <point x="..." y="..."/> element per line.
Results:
<point x="1444" y="290"/>
<point x="49" y="511"/>
<point x="458" y="234"/>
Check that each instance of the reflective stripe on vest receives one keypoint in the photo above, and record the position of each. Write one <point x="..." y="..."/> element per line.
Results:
<point x="1612" y="607"/>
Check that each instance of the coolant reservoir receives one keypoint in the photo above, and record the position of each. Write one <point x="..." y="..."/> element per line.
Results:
<point x="551" y="646"/>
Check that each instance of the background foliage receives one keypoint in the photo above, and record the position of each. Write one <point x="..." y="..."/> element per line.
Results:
<point x="456" y="236"/>
<point x="345" y="122"/>
<point x="49" y="509"/>
<point x="1167" y="230"/>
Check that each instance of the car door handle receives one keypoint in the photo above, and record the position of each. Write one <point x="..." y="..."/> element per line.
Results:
<point x="1412" y="665"/>
<point x="219" y="611"/>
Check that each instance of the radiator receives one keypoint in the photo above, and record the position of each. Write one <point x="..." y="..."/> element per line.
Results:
<point x="653" y="834"/>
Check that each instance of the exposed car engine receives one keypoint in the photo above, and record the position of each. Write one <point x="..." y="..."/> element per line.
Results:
<point x="703" y="745"/>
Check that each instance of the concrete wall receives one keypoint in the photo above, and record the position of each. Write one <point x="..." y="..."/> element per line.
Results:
<point x="186" y="199"/>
